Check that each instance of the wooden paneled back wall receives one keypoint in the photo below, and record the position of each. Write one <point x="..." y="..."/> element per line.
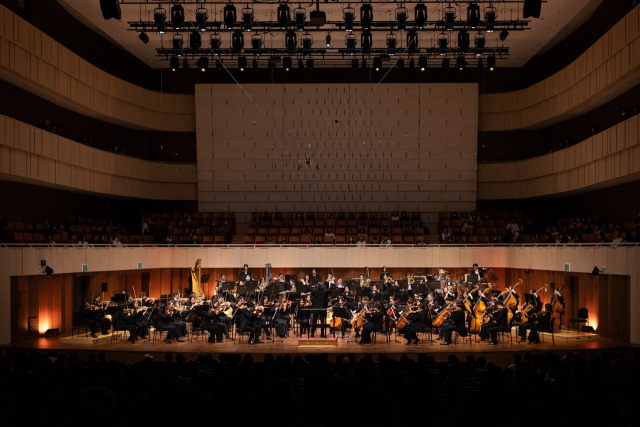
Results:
<point x="374" y="148"/>
<point x="53" y="299"/>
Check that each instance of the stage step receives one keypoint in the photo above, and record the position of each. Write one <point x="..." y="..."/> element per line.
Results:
<point x="82" y="340"/>
<point x="329" y="341"/>
<point x="571" y="337"/>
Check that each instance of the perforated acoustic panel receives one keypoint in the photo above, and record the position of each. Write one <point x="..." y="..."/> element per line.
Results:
<point x="332" y="148"/>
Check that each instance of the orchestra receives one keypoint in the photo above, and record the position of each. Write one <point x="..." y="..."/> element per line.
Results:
<point x="348" y="306"/>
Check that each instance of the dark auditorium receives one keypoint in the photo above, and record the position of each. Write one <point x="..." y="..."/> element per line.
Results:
<point x="324" y="213"/>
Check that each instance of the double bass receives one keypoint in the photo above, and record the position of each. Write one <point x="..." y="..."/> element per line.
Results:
<point x="524" y="317"/>
<point x="476" y="319"/>
<point x="510" y="301"/>
<point x="557" y="310"/>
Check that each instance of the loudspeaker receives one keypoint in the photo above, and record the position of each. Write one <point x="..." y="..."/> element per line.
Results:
<point x="532" y="8"/>
<point x="48" y="270"/>
<point x="110" y="9"/>
<point x="527" y="271"/>
<point x="144" y="37"/>
<point x="103" y="288"/>
<point x="43" y="262"/>
<point x="596" y="271"/>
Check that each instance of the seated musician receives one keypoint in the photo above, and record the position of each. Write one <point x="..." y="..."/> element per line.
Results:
<point x="292" y="286"/>
<point x="281" y="318"/>
<point x="538" y="320"/>
<point x="175" y="320"/>
<point x="392" y="313"/>
<point x="176" y="299"/>
<point x="339" y="284"/>
<point x="330" y="282"/>
<point x="497" y="323"/>
<point x="146" y="301"/>
<point x="372" y="322"/>
<point x="342" y="306"/>
<point x="164" y="319"/>
<point x="92" y="317"/>
<point x="315" y="275"/>
<point x="534" y="300"/>
<point x="417" y="322"/>
<point x="245" y="272"/>
<point x="433" y="307"/>
<point x="347" y="293"/>
<point x="139" y="321"/>
<point x="455" y="322"/>
<point x="303" y="315"/>
<point x="249" y="322"/>
<point x="305" y="281"/>
<point x="211" y="323"/>
<point x="122" y="322"/>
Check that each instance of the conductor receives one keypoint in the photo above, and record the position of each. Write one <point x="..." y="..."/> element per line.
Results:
<point x="320" y="301"/>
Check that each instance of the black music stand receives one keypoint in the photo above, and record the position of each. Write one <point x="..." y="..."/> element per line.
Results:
<point x="402" y="298"/>
<point x="336" y="293"/>
<point x="315" y="280"/>
<point x="289" y="277"/>
<point x="344" y="315"/>
<point x="363" y="292"/>
<point x="419" y="289"/>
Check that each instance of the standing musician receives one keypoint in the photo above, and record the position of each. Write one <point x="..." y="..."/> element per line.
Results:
<point x="497" y="322"/>
<point x="319" y="299"/>
<point x="245" y="272"/>
<point x="384" y="274"/>
<point x="164" y="319"/>
<point x="372" y="322"/>
<point x="92" y="316"/>
<point x="251" y="323"/>
<point x="455" y="322"/>
<point x="416" y="322"/>
<point x="138" y="320"/>
<point x="330" y="282"/>
<point x="542" y="321"/>
<point x="305" y="281"/>
<point x="477" y="271"/>
<point x="315" y="275"/>
<point x="122" y="322"/>
<point x="534" y="298"/>
<point x="281" y="318"/>
<point x="211" y="323"/>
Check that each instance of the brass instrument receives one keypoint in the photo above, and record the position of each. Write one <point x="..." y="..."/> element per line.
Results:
<point x="411" y="280"/>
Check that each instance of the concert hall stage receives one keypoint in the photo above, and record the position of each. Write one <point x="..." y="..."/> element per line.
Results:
<point x="501" y="355"/>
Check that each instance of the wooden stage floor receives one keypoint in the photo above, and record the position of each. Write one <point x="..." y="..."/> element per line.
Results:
<point x="500" y="354"/>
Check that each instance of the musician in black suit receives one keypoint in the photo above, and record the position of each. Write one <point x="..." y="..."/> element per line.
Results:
<point x="543" y="322"/>
<point x="535" y="319"/>
<point x="281" y="319"/>
<point x="417" y="323"/>
<point x="455" y="322"/>
<point x="497" y="323"/>
<point x="175" y="320"/>
<point x="330" y="282"/>
<point x="319" y="300"/>
<point x="164" y="321"/>
<point x="122" y="322"/>
<point x="210" y="322"/>
<point x="384" y="274"/>
<point x="314" y="275"/>
<point x="92" y="317"/>
<point x="139" y="321"/>
<point x="342" y="305"/>
<point x="372" y="322"/>
<point x="250" y="322"/>
<point x="433" y="307"/>
<point x="245" y="272"/>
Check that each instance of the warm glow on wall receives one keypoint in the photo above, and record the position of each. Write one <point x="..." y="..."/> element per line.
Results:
<point x="42" y="327"/>
<point x="593" y="321"/>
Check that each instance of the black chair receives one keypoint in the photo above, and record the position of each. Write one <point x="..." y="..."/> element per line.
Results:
<point x="464" y="339"/>
<point x="77" y="326"/>
<point x="157" y="331"/>
<point x="583" y="317"/>
<point x="196" y="330"/>
<point x="507" y="330"/>
<point x="548" y="330"/>
<point x="374" y="334"/>
<point x="115" y="336"/>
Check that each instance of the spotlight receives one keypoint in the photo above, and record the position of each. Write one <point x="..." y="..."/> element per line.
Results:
<point x="443" y="44"/>
<point x="354" y="64"/>
<point x="401" y="18"/>
<point x="449" y="18"/>
<point x="351" y="44"/>
<point x="461" y="64"/>
<point x="420" y="12"/>
<point x="412" y="41"/>
<point x="177" y="16"/>
<point x="230" y="16"/>
<point x="160" y="16"/>
<point x="174" y="63"/>
<point x="307" y="42"/>
<point x="349" y="15"/>
<point x="480" y="42"/>
<point x="445" y="63"/>
<point x="201" y="19"/>
<point x="473" y="15"/>
<point x="377" y="63"/>
<point x="366" y="15"/>
<point x="310" y="64"/>
<point x="185" y="64"/>
<point x="286" y="63"/>
<point x="391" y="44"/>
<point x="300" y="15"/>
<point x="463" y="40"/>
<point x="400" y="64"/>
<point x="144" y="37"/>
<point x="504" y="34"/>
<point x="203" y="63"/>
<point x="215" y="44"/>
<point x="327" y="40"/>
<point x="284" y="15"/>
<point x="219" y="63"/>
<point x="366" y="40"/>
<point x="490" y="14"/>
<point x="242" y="63"/>
<point x="491" y="63"/>
<point x="423" y="63"/>
<point x="291" y="41"/>
<point x="195" y="41"/>
<point x="237" y="41"/>
<point x="177" y="43"/>
<point x="247" y="19"/>
<point x="256" y="44"/>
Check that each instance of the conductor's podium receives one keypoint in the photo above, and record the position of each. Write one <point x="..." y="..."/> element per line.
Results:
<point x="317" y="341"/>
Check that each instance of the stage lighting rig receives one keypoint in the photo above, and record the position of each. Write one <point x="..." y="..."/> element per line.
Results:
<point x="366" y="16"/>
<point x="177" y="16"/>
<point x="401" y="18"/>
<point x="420" y="13"/>
<point x="230" y="15"/>
<point x="284" y="15"/>
<point x="160" y="18"/>
<point x="247" y="19"/>
<point x="349" y="15"/>
<point x="201" y="19"/>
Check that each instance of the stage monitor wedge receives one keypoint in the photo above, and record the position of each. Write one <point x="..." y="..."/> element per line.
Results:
<point x="110" y="9"/>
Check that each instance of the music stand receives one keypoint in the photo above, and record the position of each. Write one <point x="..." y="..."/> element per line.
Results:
<point x="344" y="315"/>
<point x="363" y="292"/>
<point x="290" y="277"/>
<point x="315" y="280"/>
<point x="377" y="297"/>
<point x="205" y="278"/>
<point x="294" y="296"/>
<point x="403" y="284"/>
<point x="419" y="289"/>
<point x="402" y="298"/>
<point x="336" y="293"/>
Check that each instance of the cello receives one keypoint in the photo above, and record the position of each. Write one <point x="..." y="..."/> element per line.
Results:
<point x="557" y="310"/>
<point x="439" y="320"/>
<point x="511" y="302"/>
<point x="476" y="319"/>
